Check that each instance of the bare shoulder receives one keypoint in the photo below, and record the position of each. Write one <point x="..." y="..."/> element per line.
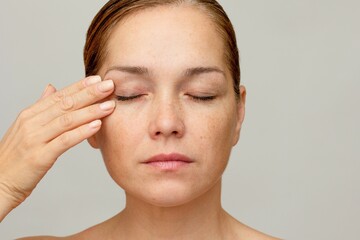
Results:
<point x="93" y="233"/>
<point x="248" y="233"/>
<point x="252" y="234"/>
<point x="242" y="231"/>
<point x="79" y="236"/>
<point x="88" y="234"/>
<point x="40" y="238"/>
<point x="74" y="237"/>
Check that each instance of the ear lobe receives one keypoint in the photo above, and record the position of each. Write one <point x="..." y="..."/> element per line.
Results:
<point x="93" y="141"/>
<point x="240" y="108"/>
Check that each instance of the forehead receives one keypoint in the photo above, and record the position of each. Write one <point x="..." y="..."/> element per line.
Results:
<point x="166" y="37"/>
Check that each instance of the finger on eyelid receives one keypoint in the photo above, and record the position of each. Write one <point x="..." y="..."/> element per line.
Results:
<point x="82" y="99"/>
<point x="53" y="97"/>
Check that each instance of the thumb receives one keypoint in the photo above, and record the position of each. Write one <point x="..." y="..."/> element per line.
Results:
<point x="50" y="89"/>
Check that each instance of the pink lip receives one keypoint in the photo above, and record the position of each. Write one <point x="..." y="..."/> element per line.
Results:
<point x="171" y="161"/>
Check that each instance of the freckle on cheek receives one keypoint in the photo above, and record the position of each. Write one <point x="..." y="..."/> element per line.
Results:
<point x="212" y="125"/>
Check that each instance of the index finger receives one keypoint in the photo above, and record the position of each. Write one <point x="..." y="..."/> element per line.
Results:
<point x="59" y="95"/>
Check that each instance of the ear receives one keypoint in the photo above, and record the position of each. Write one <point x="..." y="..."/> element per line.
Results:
<point x="240" y="114"/>
<point x="93" y="141"/>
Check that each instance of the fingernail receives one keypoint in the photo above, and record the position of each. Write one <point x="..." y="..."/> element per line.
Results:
<point x="106" y="86"/>
<point x="105" y="106"/>
<point x="92" y="80"/>
<point x="95" y="124"/>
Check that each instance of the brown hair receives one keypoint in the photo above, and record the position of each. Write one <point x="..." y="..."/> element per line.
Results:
<point x="115" y="10"/>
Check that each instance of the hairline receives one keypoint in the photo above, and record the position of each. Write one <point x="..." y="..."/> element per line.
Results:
<point x="217" y="16"/>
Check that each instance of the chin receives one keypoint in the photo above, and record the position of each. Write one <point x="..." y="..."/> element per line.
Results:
<point x="167" y="194"/>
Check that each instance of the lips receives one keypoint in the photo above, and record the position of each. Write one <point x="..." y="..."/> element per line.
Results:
<point x="168" y="162"/>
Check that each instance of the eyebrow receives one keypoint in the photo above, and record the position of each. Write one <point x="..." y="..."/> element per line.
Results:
<point x="190" y="72"/>
<point x="129" y="69"/>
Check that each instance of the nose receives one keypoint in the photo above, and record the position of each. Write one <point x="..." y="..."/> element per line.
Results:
<point x="166" y="120"/>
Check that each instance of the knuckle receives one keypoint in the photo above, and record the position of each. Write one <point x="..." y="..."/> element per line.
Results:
<point x="66" y="120"/>
<point x="65" y="139"/>
<point x="24" y="123"/>
<point x="91" y="92"/>
<point x="92" y="110"/>
<point x="58" y="96"/>
<point x="25" y="114"/>
<point x="83" y="131"/>
<point x="67" y="103"/>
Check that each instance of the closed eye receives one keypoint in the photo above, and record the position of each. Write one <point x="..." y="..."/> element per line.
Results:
<point x="196" y="98"/>
<point x="128" y="98"/>
<point x="202" y="98"/>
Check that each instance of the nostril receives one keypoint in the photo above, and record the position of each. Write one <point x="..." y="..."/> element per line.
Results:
<point x="161" y="127"/>
<point x="174" y="132"/>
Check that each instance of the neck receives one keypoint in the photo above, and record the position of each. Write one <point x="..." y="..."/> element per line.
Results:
<point x="201" y="218"/>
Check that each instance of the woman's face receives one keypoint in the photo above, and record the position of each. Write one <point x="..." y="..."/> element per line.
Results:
<point x="176" y="102"/>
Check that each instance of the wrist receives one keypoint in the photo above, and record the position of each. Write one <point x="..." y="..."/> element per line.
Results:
<point x="7" y="201"/>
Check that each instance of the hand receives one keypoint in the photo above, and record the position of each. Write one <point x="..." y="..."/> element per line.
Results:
<point x="44" y="131"/>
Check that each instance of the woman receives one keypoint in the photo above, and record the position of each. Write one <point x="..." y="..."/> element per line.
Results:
<point x="165" y="108"/>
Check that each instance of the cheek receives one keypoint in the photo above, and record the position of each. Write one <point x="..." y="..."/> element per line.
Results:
<point x="120" y="139"/>
<point x="211" y="138"/>
<point x="123" y="128"/>
<point x="214" y="128"/>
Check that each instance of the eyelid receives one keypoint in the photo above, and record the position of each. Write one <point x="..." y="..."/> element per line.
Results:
<point x="128" y="98"/>
<point x="202" y="98"/>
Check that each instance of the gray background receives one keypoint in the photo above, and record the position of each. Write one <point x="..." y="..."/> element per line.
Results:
<point x="294" y="173"/>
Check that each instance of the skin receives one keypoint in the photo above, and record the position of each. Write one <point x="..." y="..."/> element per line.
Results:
<point x="165" y="117"/>
<point x="170" y="205"/>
